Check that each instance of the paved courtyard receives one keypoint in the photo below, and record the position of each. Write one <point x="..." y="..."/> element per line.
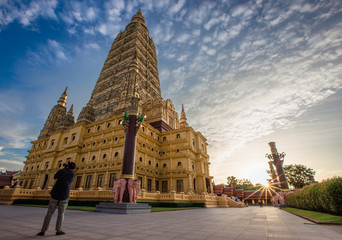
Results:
<point x="19" y="222"/>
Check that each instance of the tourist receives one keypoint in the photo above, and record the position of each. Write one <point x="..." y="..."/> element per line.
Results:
<point x="260" y="202"/>
<point x="59" y="197"/>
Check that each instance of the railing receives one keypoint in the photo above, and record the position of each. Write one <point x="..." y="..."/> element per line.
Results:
<point x="8" y="195"/>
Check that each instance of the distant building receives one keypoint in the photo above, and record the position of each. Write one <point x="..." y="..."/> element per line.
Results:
<point x="170" y="154"/>
<point x="249" y="197"/>
<point x="9" y="178"/>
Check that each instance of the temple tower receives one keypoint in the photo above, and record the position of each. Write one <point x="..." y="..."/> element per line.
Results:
<point x="55" y="116"/>
<point x="183" y="123"/>
<point x="130" y="70"/>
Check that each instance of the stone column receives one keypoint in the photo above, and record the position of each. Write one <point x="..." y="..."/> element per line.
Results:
<point x="279" y="166"/>
<point x="131" y="125"/>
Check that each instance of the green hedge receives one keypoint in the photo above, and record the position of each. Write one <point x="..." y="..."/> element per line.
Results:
<point x="94" y="203"/>
<point x="324" y="197"/>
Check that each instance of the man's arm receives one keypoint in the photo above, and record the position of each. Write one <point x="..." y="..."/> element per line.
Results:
<point x="56" y="175"/>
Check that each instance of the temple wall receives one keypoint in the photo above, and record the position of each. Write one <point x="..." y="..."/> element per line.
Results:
<point x="175" y="157"/>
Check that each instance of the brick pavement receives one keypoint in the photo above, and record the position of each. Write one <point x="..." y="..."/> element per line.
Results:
<point x="19" y="222"/>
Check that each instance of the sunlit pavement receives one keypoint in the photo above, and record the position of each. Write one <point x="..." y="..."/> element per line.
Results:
<point x="19" y="222"/>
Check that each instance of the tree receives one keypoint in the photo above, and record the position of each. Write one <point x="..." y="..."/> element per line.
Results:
<point x="298" y="175"/>
<point x="244" y="184"/>
<point x="230" y="180"/>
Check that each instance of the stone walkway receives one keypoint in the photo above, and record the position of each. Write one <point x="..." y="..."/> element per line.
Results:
<point x="19" y="222"/>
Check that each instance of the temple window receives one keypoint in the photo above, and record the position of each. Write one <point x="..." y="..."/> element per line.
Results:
<point x="112" y="177"/>
<point x="179" y="164"/>
<point x="180" y="186"/>
<point x="83" y="159"/>
<point x="93" y="158"/>
<point x="94" y="143"/>
<point x="115" y="139"/>
<point x="178" y="150"/>
<point x="164" y="165"/>
<point x="52" y="142"/>
<point x="149" y="162"/>
<point x="65" y="140"/>
<point x="73" y="137"/>
<point x="98" y="128"/>
<point x="108" y="125"/>
<point x="164" y="186"/>
<point x="89" y="130"/>
<point x="178" y="135"/>
<point x="78" y="181"/>
<point x="104" y="141"/>
<point x="104" y="156"/>
<point x="157" y="165"/>
<point x="88" y="181"/>
<point x="100" y="180"/>
<point x="157" y="185"/>
<point x="116" y="154"/>
<point x="149" y="184"/>
<point x="119" y="121"/>
<point x="164" y="138"/>
<point x="140" y="159"/>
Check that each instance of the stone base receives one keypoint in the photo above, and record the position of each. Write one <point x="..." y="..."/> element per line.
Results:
<point x="123" y="208"/>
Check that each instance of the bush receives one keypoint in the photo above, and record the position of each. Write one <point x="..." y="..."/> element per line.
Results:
<point x="324" y="197"/>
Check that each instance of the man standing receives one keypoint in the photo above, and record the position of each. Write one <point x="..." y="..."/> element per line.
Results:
<point x="59" y="197"/>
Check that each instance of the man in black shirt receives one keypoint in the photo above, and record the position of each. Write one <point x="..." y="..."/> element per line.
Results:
<point x="59" y="197"/>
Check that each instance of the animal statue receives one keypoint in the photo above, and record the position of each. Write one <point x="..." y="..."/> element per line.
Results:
<point x="119" y="189"/>
<point x="136" y="189"/>
<point x="133" y="189"/>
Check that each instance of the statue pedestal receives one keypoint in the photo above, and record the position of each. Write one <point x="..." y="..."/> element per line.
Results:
<point x="123" y="208"/>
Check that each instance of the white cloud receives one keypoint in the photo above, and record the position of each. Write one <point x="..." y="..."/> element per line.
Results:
<point x="177" y="7"/>
<point x="92" y="45"/>
<point x="26" y="13"/>
<point x="183" y="38"/>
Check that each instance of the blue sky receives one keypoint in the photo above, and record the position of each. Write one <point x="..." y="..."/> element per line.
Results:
<point x="247" y="72"/>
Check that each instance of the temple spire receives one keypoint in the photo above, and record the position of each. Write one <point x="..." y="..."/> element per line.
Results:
<point x="71" y="110"/>
<point x="138" y="17"/>
<point x="67" y="120"/>
<point x="63" y="98"/>
<point x="183" y="122"/>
